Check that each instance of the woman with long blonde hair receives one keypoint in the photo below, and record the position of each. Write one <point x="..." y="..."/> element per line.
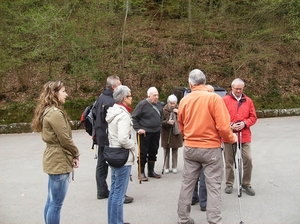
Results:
<point x="61" y="155"/>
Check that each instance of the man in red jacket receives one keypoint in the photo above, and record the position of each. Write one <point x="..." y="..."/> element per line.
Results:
<point x="242" y="117"/>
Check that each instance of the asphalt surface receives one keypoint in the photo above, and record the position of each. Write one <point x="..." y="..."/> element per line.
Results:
<point x="276" y="180"/>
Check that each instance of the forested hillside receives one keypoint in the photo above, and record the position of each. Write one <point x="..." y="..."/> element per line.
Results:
<point x="146" y="43"/>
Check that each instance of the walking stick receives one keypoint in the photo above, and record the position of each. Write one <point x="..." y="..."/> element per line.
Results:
<point x="139" y="156"/>
<point x="238" y="164"/>
<point x="167" y="152"/>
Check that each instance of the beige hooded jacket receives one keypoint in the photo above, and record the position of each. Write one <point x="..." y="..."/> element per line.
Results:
<point x="60" y="150"/>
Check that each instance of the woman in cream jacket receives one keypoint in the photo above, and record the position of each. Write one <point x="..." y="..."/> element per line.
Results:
<point x="120" y="134"/>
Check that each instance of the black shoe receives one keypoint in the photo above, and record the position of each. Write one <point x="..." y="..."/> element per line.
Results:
<point x="102" y="196"/>
<point x="203" y="209"/>
<point x="128" y="199"/>
<point x="195" y="201"/>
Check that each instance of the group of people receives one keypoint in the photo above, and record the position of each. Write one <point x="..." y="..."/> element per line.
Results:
<point x="202" y="120"/>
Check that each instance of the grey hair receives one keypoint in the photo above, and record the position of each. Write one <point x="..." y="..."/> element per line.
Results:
<point x="172" y="99"/>
<point x="210" y="88"/>
<point x="112" y="81"/>
<point x="120" y="93"/>
<point x="197" y="77"/>
<point x="237" y="81"/>
<point x="150" y="90"/>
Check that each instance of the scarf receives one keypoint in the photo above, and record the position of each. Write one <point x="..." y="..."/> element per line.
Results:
<point x="129" y="109"/>
<point x="173" y="116"/>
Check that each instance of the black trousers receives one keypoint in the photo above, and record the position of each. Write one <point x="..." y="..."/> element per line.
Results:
<point x="101" y="173"/>
<point x="149" y="146"/>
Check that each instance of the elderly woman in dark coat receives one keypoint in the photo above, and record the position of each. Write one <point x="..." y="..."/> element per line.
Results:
<point x="171" y="137"/>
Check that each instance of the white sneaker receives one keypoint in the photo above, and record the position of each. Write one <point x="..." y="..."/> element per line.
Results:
<point x="166" y="171"/>
<point x="174" y="170"/>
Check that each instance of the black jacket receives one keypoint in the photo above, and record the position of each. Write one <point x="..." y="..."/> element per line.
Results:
<point x="104" y="101"/>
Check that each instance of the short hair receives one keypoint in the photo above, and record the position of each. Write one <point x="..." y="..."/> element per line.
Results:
<point x="237" y="81"/>
<point x="197" y="77"/>
<point x="112" y="81"/>
<point x="120" y="93"/>
<point x="151" y="90"/>
<point x="172" y="99"/>
<point x="210" y="88"/>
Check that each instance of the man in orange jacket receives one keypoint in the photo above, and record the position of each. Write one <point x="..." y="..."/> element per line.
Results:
<point x="242" y="117"/>
<point x="202" y="119"/>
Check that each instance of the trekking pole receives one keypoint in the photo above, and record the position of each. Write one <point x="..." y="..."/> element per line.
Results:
<point x="238" y="164"/>
<point x="167" y="151"/>
<point x="139" y="158"/>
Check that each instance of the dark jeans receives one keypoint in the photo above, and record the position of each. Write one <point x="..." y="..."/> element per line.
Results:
<point x="202" y="191"/>
<point x="149" y="146"/>
<point x="101" y="173"/>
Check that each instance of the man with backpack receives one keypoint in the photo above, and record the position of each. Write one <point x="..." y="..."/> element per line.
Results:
<point x="104" y="101"/>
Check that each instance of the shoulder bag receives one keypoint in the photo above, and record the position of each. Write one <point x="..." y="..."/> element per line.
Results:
<point x="115" y="157"/>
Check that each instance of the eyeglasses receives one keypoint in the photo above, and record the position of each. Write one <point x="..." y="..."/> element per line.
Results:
<point x="129" y="96"/>
<point x="237" y="89"/>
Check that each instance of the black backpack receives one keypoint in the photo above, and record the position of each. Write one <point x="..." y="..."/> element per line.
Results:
<point x="88" y="118"/>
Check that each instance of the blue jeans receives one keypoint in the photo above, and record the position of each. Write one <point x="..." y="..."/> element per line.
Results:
<point x="57" y="190"/>
<point x="119" y="183"/>
<point x="202" y="191"/>
<point x="202" y="195"/>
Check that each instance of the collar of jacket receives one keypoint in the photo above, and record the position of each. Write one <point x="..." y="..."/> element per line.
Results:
<point x="200" y="87"/>
<point x="243" y="99"/>
<point x="107" y="92"/>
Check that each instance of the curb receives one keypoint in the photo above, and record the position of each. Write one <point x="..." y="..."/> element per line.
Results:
<point x="25" y="127"/>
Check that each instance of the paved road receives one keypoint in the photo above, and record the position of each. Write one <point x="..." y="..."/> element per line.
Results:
<point x="276" y="180"/>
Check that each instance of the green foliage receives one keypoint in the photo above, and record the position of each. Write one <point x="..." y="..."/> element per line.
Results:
<point x="80" y="41"/>
<point x="75" y="108"/>
<point x="17" y="112"/>
<point x="23" y="112"/>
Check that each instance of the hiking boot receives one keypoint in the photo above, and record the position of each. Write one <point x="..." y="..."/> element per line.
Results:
<point x="151" y="172"/>
<point x="143" y="177"/>
<point x="249" y="190"/>
<point x="228" y="189"/>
